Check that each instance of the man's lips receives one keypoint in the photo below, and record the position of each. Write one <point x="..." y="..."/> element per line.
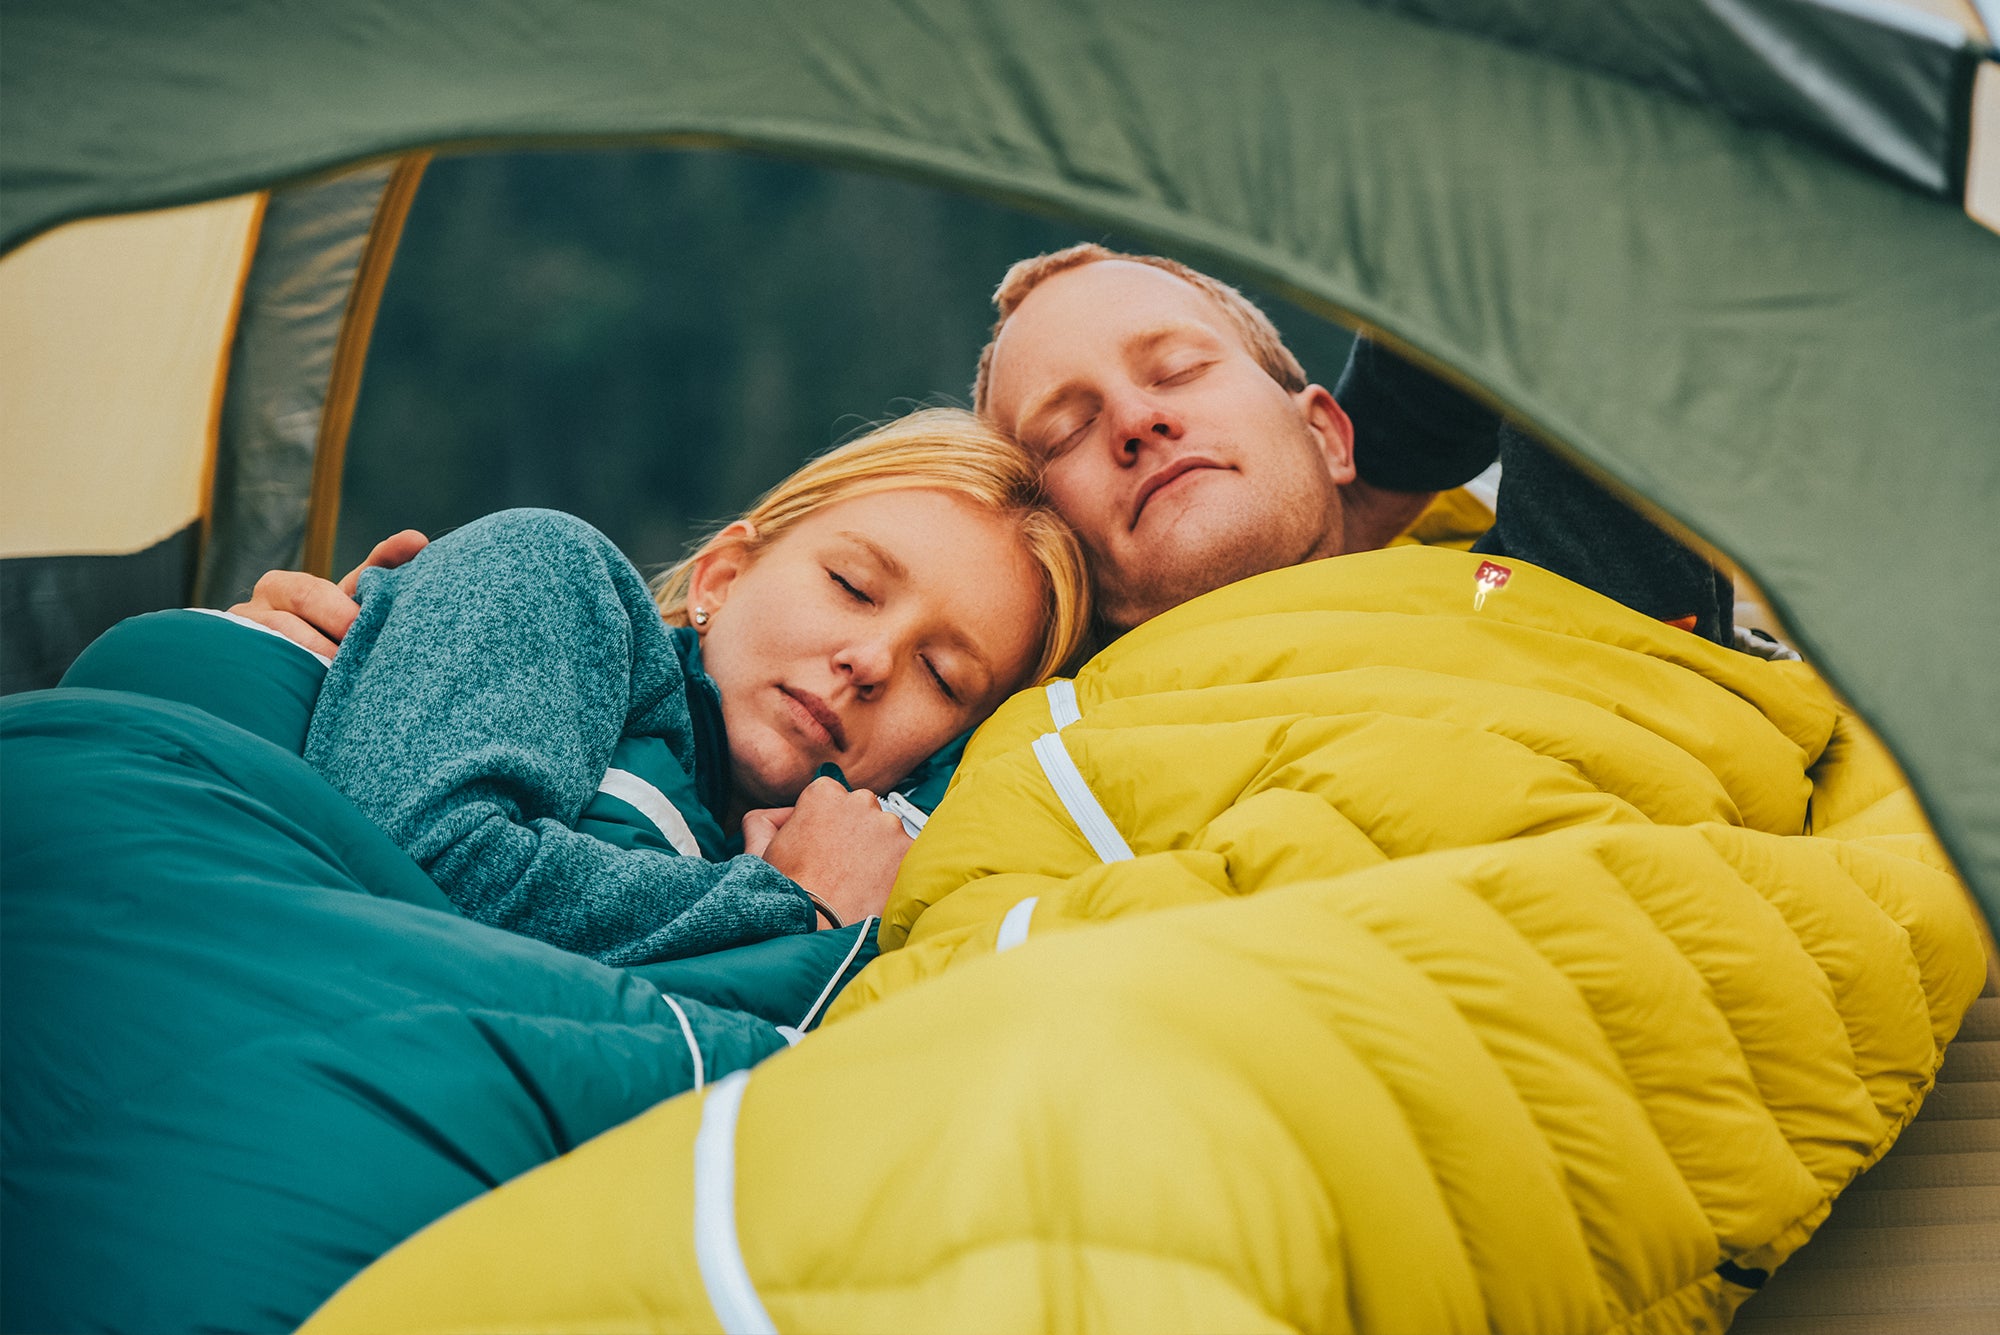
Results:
<point x="1163" y="475"/>
<point x="819" y="714"/>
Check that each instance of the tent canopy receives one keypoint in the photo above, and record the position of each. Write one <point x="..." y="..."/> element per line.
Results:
<point x="1714" y="248"/>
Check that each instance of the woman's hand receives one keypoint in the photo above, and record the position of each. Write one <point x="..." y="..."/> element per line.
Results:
<point x="838" y="844"/>
<point x="315" y="613"/>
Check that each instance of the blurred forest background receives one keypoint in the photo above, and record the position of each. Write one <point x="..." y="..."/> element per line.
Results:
<point x="648" y="339"/>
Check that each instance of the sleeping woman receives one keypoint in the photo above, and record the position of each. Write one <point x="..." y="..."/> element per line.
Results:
<point x="505" y="703"/>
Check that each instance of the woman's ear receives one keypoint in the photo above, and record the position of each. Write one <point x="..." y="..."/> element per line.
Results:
<point x="714" y="571"/>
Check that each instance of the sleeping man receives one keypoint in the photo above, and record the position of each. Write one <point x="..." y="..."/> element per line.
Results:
<point x="1183" y="442"/>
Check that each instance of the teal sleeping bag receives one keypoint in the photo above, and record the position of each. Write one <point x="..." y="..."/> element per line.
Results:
<point x="247" y="1046"/>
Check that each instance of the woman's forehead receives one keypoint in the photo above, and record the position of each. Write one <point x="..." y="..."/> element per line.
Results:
<point x="892" y="518"/>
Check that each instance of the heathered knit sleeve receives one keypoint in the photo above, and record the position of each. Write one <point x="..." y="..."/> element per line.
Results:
<point x="471" y="713"/>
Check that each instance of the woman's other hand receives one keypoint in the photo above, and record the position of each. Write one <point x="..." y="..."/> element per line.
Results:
<point x="838" y="844"/>
<point x="760" y="827"/>
<point x="315" y="613"/>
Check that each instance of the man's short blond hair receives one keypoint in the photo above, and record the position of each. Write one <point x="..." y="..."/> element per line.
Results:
<point x="1254" y="327"/>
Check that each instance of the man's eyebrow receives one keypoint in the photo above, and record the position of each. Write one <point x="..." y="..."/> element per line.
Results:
<point x="1150" y="340"/>
<point x="882" y="555"/>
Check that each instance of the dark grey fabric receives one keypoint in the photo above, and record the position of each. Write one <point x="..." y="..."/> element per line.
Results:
<point x="52" y="606"/>
<point x="1882" y="84"/>
<point x="294" y="303"/>
<point x="1412" y="431"/>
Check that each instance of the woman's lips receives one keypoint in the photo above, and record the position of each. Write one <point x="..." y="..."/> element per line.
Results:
<point x="816" y="718"/>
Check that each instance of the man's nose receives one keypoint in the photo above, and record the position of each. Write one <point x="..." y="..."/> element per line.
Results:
<point x="1142" y="422"/>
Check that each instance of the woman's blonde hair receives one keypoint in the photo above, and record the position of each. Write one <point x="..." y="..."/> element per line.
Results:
<point x="935" y="449"/>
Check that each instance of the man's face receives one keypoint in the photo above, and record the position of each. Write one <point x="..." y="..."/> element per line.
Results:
<point x="1182" y="465"/>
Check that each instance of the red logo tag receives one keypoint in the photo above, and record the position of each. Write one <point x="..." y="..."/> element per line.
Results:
<point x="1486" y="579"/>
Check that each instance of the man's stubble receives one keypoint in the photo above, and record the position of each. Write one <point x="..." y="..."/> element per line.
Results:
<point x="1209" y="542"/>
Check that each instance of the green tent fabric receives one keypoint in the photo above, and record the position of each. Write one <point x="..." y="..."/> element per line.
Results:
<point x="1881" y="82"/>
<point x="1790" y="351"/>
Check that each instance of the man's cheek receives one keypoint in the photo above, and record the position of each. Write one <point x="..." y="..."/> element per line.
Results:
<point x="1075" y="496"/>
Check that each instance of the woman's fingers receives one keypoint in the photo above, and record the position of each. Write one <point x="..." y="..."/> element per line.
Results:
<point x="761" y="826"/>
<point x="299" y="633"/>
<point x="389" y="553"/>
<point x="305" y="609"/>
<point x="841" y="846"/>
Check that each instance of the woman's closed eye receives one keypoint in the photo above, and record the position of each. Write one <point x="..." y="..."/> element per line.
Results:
<point x="938" y="679"/>
<point x="853" y="590"/>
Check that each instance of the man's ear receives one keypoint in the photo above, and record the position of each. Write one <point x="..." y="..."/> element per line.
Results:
<point x="726" y="555"/>
<point x="1332" y="428"/>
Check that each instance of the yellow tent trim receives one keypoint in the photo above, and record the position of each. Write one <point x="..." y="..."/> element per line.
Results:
<point x="350" y="355"/>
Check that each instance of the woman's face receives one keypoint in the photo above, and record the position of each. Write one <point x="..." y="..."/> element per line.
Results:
<point x="869" y="635"/>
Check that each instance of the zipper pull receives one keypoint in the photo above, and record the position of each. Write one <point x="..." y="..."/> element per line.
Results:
<point x="903" y="809"/>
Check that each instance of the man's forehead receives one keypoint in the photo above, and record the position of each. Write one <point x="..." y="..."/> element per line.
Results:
<point x="1090" y="311"/>
<point x="1107" y="299"/>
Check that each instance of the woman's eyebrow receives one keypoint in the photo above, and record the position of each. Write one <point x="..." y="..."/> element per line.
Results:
<point x="883" y="557"/>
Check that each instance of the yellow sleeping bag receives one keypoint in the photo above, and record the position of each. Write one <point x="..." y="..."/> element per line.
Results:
<point x="1530" y="966"/>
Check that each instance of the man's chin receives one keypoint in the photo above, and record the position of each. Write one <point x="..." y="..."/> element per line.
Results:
<point x="1167" y="590"/>
<point x="1166" y="585"/>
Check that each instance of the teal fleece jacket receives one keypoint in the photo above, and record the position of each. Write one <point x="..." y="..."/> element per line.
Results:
<point x="473" y="710"/>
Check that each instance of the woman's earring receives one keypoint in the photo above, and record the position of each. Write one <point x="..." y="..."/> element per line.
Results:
<point x="701" y="616"/>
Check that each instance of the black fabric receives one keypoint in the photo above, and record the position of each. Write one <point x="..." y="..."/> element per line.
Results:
<point x="1747" y="1277"/>
<point x="52" y="606"/>
<point x="1552" y="515"/>
<point x="1414" y="432"/>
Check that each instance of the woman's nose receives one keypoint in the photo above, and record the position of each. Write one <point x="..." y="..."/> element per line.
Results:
<point x="866" y="663"/>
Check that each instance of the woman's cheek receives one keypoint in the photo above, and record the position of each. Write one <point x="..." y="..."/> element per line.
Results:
<point x="924" y="737"/>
